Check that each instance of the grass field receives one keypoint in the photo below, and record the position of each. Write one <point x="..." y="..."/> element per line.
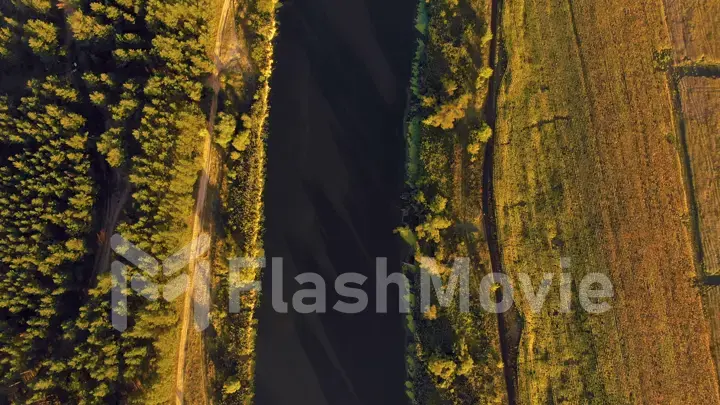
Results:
<point x="712" y="302"/>
<point x="587" y="169"/>
<point x="695" y="30"/>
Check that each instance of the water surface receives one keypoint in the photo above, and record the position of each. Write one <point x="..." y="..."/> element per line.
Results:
<point x="335" y="173"/>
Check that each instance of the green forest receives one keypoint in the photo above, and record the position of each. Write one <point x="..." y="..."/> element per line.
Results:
<point x="104" y="107"/>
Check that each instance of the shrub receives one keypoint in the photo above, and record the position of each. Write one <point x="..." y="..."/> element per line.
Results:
<point x="443" y="369"/>
<point x="447" y="114"/>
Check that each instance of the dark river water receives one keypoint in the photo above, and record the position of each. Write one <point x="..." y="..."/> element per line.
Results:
<point x="335" y="173"/>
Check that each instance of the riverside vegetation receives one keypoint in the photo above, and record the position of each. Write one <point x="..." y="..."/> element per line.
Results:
<point x="231" y="347"/>
<point x="453" y="356"/>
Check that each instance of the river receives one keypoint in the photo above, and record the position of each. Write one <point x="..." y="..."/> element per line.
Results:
<point x="334" y="177"/>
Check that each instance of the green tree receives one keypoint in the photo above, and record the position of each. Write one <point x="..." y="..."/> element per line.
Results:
<point x="446" y="115"/>
<point x="41" y="37"/>
<point x="87" y="28"/>
<point x="224" y="129"/>
<point x="443" y="369"/>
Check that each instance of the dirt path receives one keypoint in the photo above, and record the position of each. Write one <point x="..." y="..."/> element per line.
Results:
<point x="113" y="208"/>
<point x="121" y="189"/>
<point x="200" y="215"/>
<point x="509" y="326"/>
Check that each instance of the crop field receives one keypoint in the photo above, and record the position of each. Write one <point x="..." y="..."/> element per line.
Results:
<point x="586" y="169"/>
<point x="701" y="112"/>
<point x="712" y="302"/>
<point x="695" y="85"/>
<point x="693" y="28"/>
<point x="699" y="98"/>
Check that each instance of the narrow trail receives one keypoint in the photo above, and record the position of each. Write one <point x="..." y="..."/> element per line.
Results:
<point x="114" y="206"/>
<point x="200" y="214"/>
<point x="509" y="326"/>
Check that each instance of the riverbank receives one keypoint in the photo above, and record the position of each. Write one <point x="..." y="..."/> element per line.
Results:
<point x="452" y="355"/>
<point x="248" y="57"/>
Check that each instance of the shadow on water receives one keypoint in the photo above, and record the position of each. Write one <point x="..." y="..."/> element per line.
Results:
<point x="335" y="173"/>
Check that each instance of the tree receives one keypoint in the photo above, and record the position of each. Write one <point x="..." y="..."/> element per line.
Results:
<point x="40" y="6"/>
<point x="486" y="73"/>
<point x="446" y="115"/>
<point x="87" y="28"/>
<point x="6" y="39"/>
<point x="231" y="386"/>
<point x="224" y="129"/>
<point x="111" y="145"/>
<point x="430" y="230"/>
<point x="478" y="137"/>
<point x="443" y="369"/>
<point x="41" y="37"/>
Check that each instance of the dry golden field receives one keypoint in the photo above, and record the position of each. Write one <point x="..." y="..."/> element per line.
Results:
<point x="699" y="99"/>
<point x="693" y="26"/>
<point x="701" y="111"/>
<point x="586" y="168"/>
<point x="695" y="29"/>
<point x="712" y="302"/>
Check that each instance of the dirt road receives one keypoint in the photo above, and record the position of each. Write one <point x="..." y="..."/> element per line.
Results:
<point x="509" y="326"/>
<point x="200" y="214"/>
